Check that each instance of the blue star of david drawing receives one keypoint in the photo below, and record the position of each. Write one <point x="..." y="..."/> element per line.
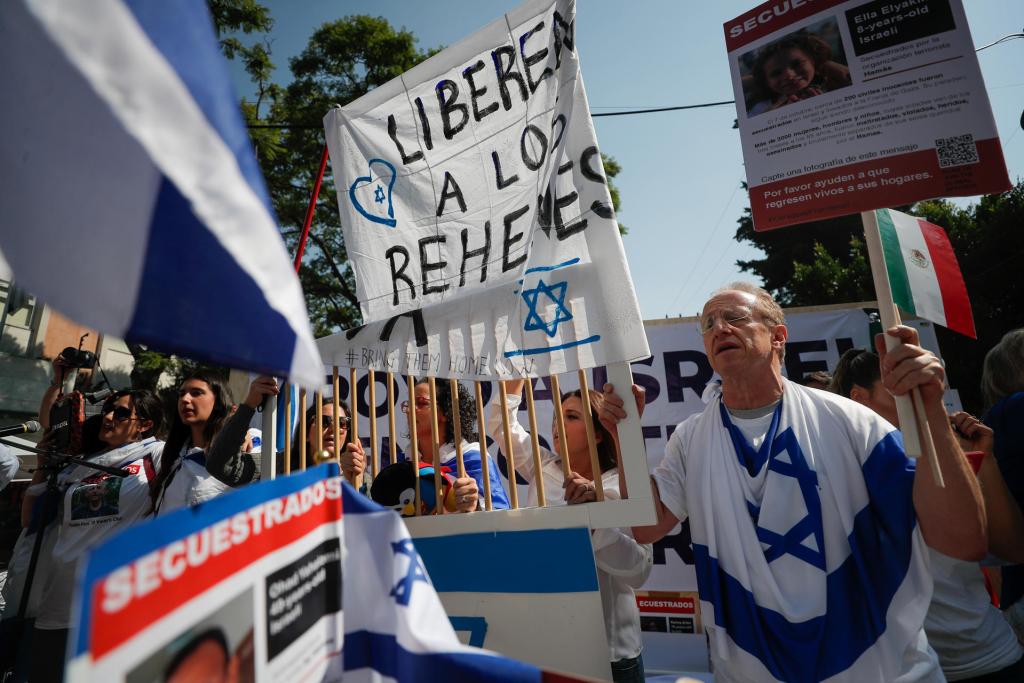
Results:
<point x="791" y="542"/>
<point x="378" y="195"/>
<point x="402" y="592"/>
<point x="555" y="293"/>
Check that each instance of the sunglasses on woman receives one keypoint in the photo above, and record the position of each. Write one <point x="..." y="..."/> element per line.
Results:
<point x="120" y="413"/>
<point x="328" y="421"/>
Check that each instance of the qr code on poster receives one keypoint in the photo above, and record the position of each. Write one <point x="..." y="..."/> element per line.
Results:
<point x="956" y="151"/>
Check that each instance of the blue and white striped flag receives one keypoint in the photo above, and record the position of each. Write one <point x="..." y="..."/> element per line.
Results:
<point x="132" y="199"/>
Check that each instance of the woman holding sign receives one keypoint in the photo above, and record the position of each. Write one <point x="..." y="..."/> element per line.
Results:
<point x="622" y="563"/>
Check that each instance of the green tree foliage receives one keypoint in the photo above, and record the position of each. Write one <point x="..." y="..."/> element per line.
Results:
<point x="826" y="262"/>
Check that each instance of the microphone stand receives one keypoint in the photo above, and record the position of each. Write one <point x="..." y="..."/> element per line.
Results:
<point x="47" y="505"/>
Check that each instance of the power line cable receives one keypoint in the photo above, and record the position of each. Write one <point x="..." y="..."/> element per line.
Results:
<point x="630" y="112"/>
<point x="707" y="243"/>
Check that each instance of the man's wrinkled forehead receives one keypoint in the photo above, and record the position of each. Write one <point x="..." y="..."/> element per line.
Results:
<point x="730" y="297"/>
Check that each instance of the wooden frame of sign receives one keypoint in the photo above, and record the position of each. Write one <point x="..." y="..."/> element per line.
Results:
<point x="636" y="510"/>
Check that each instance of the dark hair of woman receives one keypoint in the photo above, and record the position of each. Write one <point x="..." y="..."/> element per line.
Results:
<point x="147" y="406"/>
<point x="310" y="426"/>
<point x="467" y="410"/>
<point x="811" y="45"/>
<point x="180" y="433"/>
<point x="606" y="445"/>
<point x="857" y="367"/>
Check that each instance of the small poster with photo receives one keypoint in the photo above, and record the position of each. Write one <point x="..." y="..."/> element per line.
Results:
<point x="95" y="498"/>
<point x="846" y="106"/>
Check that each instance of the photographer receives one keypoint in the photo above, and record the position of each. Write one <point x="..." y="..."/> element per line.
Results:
<point x="93" y="505"/>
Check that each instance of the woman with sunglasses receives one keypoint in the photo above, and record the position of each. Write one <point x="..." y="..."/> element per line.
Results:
<point x="235" y="467"/>
<point x="94" y="505"/>
<point x="622" y="563"/>
<point x="467" y="489"/>
<point x="327" y="426"/>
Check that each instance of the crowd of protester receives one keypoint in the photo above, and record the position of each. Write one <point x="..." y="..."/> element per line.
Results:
<point x="966" y="539"/>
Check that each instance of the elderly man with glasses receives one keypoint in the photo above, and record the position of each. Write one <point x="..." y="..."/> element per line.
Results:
<point x="808" y="520"/>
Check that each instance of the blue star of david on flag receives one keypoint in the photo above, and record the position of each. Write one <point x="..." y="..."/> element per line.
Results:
<point x="402" y="592"/>
<point x="556" y="294"/>
<point x="792" y="542"/>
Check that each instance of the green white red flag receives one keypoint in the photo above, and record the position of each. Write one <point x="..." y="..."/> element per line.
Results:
<point x="923" y="271"/>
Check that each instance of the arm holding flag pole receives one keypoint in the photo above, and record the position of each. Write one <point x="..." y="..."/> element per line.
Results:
<point x="950" y="510"/>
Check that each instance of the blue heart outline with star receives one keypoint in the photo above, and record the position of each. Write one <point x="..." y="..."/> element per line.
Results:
<point x="367" y="179"/>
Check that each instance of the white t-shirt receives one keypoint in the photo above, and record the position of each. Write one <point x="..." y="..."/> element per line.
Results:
<point x="190" y="483"/>
<point x="95" y="505"/>
<point x="970" y="635"/>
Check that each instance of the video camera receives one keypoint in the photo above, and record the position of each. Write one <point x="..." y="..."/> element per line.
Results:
<point x="78" y="358"/>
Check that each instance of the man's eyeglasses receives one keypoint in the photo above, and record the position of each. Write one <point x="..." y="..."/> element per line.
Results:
<point x="731" y="317"/>
<point x="120" y="413"/>
<point x="328" y="421"/>
<point x="421" y="404"/>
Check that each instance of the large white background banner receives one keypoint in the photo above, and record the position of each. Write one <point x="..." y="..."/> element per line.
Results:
<point x="477" y="215"/>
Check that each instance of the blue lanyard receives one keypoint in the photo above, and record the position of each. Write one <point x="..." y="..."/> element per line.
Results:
<point x="748" y="457"/>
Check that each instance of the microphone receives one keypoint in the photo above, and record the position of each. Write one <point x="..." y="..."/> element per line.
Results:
<point x="23" y="428"/>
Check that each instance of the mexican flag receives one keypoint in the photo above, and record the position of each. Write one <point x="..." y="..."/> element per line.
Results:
<point x="923" y="271"/>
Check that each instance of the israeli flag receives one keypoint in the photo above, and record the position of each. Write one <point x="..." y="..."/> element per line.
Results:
<point x="132" y="199"/>
<point x="395" y="625"/>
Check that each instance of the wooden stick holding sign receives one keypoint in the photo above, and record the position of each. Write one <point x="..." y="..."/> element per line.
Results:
<point x="535" y="444"/>
<point x="414" y="453"/>
<point x="563" y="452"/>
<point x="913" y="420"/>
<point x="484" y="463"/>
<point x="513" y="490"/>
<point x="336" y="406"/>
<point x="588" y="420"/>
<point x="392" y="442"/>
<point x="374" y="446"/>
<point x="353" y="427"/>
<point x="318" y="456"/>
<point x="435" y="447"/>
<point x="457" y="427"/>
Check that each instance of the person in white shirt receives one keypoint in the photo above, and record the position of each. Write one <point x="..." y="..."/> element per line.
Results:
<point x="622" y="563"/>
<point x="204" y="404"/>
<point x="809" y="523"/>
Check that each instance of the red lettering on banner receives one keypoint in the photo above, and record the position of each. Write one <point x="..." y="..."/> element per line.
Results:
<point x="133" y="597"/>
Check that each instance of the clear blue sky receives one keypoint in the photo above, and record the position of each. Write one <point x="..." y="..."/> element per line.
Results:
<point x="680" y="170"/>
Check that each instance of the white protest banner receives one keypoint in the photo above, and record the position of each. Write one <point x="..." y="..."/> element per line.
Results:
<point x="255" y="576"/>
<point x="846" y="106"/>
<point x="477" y="215"/>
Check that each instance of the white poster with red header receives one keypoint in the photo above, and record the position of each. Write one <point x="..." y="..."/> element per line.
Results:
<point x="846" y="106"/>
<point x="248" y="586"/>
